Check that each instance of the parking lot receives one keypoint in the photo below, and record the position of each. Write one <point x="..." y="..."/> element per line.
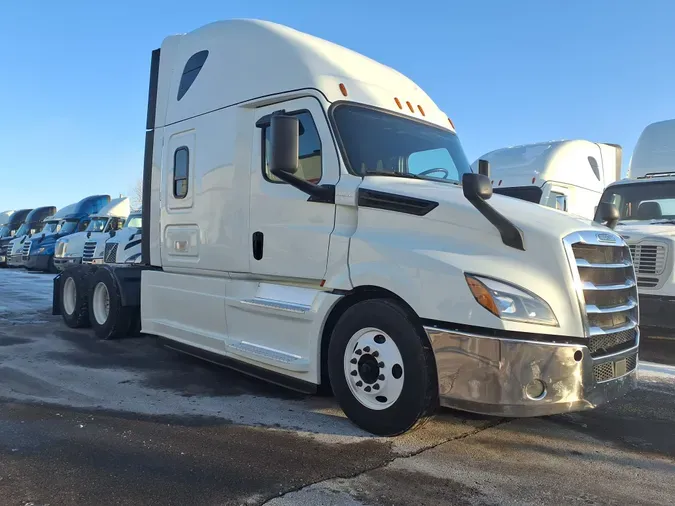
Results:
<point x="84" y="421"/>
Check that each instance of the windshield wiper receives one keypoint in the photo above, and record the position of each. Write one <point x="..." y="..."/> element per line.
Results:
<point x="407" y="175"/>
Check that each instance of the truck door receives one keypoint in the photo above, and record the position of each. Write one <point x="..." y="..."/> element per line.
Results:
<point x="289" y="235"/>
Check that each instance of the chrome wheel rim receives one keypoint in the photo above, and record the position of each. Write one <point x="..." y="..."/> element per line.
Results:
<point x="101" y="303"/>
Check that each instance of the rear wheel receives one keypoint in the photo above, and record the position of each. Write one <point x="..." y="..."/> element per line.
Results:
<point x="108" y="317"/>
<point x="382" y="368"/>
<point x="74" y="303"/>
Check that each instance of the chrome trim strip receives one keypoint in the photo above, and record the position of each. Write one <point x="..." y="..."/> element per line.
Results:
<point x="277" y="304"/>
<point x="598" y="331"/>
<point x="581" y="262"/>
<point x="428" y="330"/>
<point x="587" y="285"/>
<point x="613" y="357"/>
<point x="631" y="304"/>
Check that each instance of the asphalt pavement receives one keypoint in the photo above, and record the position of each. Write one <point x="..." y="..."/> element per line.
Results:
<point x="128" y="422"/>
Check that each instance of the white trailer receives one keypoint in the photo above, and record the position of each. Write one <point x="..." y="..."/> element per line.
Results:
<point x="567" y="175"/>
<point x="646" y="204"/>
<point x="309" y="217"/>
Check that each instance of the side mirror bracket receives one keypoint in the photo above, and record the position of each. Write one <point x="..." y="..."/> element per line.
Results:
<point x="285" y="161"/>
<point x="477" y="189"/>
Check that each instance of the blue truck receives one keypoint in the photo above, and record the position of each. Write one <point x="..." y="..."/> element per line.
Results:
<point x="39" y="254"/>
<point x="34" y="224"/>
<point x="8" y="231"/>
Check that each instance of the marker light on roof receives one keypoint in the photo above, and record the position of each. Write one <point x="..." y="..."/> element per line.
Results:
<point x="533" y="180"/>
<point x="451" y="123"/>
<point x="410" y="107"/>
<point x="343" y="89"/>
<point x="398" y="103"/>
<point x="421" y="110"/>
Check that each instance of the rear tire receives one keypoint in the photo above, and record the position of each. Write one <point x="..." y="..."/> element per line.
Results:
<point x="382" y="368"/>
<point x="74" y="303"/>
<point x="109" y="319"/>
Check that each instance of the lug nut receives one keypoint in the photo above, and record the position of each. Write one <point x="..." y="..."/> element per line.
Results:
<point x="380" y="365"/>
<point x="376" y="354"/>
<point x="353" y="373"/>
<point x="376" y="386"/>
<point x="367" y="389"/>
<point x="358" y="352"/>
<point x="359" y="383"/>
<point x="353" y="361"/>
<point x="366" y="349"/>
<point x="381" y="377"/>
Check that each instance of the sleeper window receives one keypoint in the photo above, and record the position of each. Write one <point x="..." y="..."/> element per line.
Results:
<point x="309" y="151"/>
<point x="181" y="171"/>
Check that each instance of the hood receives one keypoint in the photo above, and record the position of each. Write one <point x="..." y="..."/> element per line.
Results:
<point x="455" y="209"/>
<point x="645" y="228"/>
<point x="75" y="242"/>
<point x="126" y="234"/>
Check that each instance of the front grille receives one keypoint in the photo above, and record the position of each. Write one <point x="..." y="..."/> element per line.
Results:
<point x="614" y="368"/>
<point x="648" y="258"/>
<point x="608" y="286"/>
<point x="110" y="255"/>
<point x="88" y="251"/>
<point x="25" y="252"/>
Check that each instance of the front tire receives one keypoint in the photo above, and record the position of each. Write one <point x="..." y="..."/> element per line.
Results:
<point x="109" y="319"/>
<point x="74" y="301"/>
<point x="382" y="368"/>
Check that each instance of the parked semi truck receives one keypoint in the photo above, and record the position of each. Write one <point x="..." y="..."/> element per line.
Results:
<point x="35" y="222"/>
<point x="39" y="254"/>
<point x="646" y="204"/>
<point x="117" y="247"/>
<point x="568" y="175"/>
<point x="310" y="218"/>
<point x="75" y="247"/>
<point x="8" y="231"/>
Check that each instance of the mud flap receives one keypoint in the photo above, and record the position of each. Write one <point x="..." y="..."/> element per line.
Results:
<point x="56" y="296"/>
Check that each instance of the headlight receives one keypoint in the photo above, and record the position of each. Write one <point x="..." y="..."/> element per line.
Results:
<point x="509" y="302"/>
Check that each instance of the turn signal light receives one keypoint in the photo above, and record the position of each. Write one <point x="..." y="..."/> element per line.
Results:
<point x="482" y="295"/>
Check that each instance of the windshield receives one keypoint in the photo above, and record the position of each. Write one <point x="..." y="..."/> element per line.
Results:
<point x="4" y="231"/>
<point x="97" y="225"/>
<point x="23" y="230"/>
<point x="69" y="226"/>
<point x="134" y="221"/>
<point x="51" y="226"/>
<point x="643" y="201"/>
<point x="528" y="193"/>
<point x="380" y="143"/>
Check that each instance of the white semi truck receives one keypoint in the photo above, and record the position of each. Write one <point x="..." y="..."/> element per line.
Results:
<point x="310" y="217"/>
<point x="80" y="247"/>
<point x="123" y="246"/>
<point x="568" y="175"/>
<point x="646" y="204"/>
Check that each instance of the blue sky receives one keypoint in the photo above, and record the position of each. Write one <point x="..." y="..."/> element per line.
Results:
<point x="74" y="74"/>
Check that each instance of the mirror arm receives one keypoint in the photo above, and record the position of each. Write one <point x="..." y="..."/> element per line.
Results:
<point x="512" y="236"/>
<point x="317" y="193"/>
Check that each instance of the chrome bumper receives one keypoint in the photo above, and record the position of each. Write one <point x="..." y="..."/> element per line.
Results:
<point x="15" y="260"/>
<point x="62" y="262"/>
<point x="491" y="375"/>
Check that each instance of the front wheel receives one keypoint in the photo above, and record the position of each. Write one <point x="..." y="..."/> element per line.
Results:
<point x="382" y="368"/>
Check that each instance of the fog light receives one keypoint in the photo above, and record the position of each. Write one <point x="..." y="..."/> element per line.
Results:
<point x="536" y="390"/>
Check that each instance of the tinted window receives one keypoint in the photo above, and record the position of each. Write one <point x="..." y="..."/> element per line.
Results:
<point x="528" y="193"/>
<point x="192" y="68"/>
<point x="594" y="166"/>
<point x="309" y="150"/>
<point x="643" y="201"/>
<point x="557" y="201"/>
<point x="83" y="225"/>
<point x="181" y="171"/>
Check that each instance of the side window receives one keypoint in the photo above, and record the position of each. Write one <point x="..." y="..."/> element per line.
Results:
<point x="434" y="163"/>
<point x="557" y="201"/>
<point x="181" y="170"/>
<point x="594" y="166"/>
<point x="83" y="225"/>
<point x="309" y="151"/>
<point x="190" y="72"/>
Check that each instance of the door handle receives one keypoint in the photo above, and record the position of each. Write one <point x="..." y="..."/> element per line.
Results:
<point x="258" y="240"/>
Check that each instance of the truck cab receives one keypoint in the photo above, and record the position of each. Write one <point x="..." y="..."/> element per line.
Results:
<point x="310" y="218"/>
<point x="35" y="222"/>
<point x="646" y="204"/>
<point x="80" y="246"/>
<point x="567" y="175"/>
<point x="8" y="232"/>
<point x="123" y="246"/>
<point x="74" y="218"/>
